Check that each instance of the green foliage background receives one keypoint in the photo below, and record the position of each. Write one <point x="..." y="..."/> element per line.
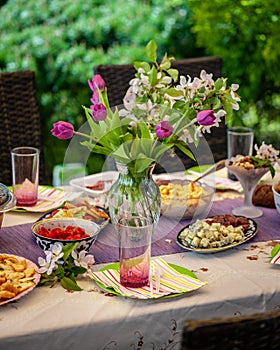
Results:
<point x="61" y="40"/>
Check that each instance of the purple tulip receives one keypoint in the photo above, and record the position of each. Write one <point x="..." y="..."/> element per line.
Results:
<point x="163" y="129"/>
<point x="98" y="112"/>
<point x="97" y="82"/>
<point x="95" y="97"/>
<point x="206" y="117"/>
<point x="63" y="130"/>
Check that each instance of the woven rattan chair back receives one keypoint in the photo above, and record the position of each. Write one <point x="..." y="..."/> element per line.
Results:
<point x="117" y="79"/>
<point x="19" y="117"/>
<point x="259" y="332"/>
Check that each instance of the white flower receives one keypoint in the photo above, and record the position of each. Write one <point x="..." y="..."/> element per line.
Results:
<point x="267" y="152"/>
<point x="234" y="87"/>
<point x="56" y="251"/>
<point x="83" y="260"/>
<point x="129" y="99"/>
<point x="167" y="80"/>
<point x="207" y="77"/>
<point x="52" y="259"/>
<point x="48" y="264"/>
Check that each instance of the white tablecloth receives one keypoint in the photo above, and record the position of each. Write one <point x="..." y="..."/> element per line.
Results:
<point x="240" y="281"/>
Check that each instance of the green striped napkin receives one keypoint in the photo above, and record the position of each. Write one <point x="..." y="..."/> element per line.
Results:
<point x="165" y="279"/>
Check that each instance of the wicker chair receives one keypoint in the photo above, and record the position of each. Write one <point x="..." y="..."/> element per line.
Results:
<point x="117" y="79"/>
<point x="259" y="332"/>
<point x="19" y="117"/>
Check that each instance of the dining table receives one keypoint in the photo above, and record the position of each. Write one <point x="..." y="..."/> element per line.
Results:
<point x="238" y="281"/>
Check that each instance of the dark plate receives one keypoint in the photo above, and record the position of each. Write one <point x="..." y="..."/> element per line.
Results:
<point x="247" y="235"/>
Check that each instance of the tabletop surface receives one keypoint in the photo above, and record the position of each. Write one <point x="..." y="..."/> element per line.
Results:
<point x="240" y="281"/>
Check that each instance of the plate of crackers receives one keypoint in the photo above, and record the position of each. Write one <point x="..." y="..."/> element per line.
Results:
<point x="18" y="276"/>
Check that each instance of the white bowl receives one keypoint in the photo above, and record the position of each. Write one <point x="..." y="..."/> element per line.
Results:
<point x="276" y="196"/>
<point x="186" y="204"/>
<point x="82" y="183"/>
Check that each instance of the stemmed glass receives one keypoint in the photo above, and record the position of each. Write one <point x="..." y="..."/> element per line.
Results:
<point x="249" y="179"/>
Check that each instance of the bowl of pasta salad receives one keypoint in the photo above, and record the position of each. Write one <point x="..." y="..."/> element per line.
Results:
<point x="185" y="199"/>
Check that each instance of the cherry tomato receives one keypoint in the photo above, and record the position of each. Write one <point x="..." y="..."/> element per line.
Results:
<point x="69" y="233"/>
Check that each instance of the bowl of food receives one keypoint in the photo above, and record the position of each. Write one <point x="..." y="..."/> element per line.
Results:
<point x="65" y="230"/>
<point x="276" y="195"/>
<point x="95" y="185"/>
<point x="184" y="199"/>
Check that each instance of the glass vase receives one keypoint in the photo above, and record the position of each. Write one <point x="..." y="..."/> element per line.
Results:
<point x="134" y="194"/>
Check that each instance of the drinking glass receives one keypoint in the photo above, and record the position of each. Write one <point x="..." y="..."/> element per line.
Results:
<point x="25" y="173"/>
<point x="239" y="142"/>
<point x="249" y="179"/>
<point x="135" y="233"/>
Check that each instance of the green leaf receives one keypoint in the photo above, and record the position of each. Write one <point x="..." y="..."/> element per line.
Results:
<point x="185" y="150"/>
<point x="69" y="284"/>
<point x="173" y="73"/>
<point x="219" y="83"/>
<point x="153" y="76"/>
<point x="78" y="270"/>
<point x="144" y="130"/>
<point x="159" y="151"/>
<point x="165" y="64"/>
<point x="275" y="250"/>
<point x="121" y="154"/>
<point x="68" y="249"/>
<point x="143" y="65"/>
<point x="142" y="163"/>
<point x="272" y="171"/>
<point x="174" y="92"/>
<point x="151" y="51"/>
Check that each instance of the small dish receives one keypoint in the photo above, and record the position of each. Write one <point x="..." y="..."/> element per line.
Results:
<point x="45" y="243"/>
<point x="97" y="184"/>
<point x="248" y="234"/>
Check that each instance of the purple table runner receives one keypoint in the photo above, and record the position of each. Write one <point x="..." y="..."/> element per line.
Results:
<point x="19" y="240"/>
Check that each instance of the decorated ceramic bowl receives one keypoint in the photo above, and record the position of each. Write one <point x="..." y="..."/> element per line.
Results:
<point x="65" y="230"/>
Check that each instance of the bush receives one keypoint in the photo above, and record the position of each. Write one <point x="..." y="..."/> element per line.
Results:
<point x="246" y="35"/>
<point x="62" y="40"/>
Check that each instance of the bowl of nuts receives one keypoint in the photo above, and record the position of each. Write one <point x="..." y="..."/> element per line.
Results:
<point x="185" y="199"/>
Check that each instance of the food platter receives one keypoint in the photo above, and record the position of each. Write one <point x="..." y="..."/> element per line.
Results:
<point x="183" y="238"/>
<point x="35" y="280"/>
<point x="80" y="210"/>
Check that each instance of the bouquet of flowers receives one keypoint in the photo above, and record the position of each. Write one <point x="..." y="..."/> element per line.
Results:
<point x="63" y="264"/>
<point x="161" y="110"/>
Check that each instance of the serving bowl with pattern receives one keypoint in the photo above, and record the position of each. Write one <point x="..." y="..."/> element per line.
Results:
<point x="65" y="230"/>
